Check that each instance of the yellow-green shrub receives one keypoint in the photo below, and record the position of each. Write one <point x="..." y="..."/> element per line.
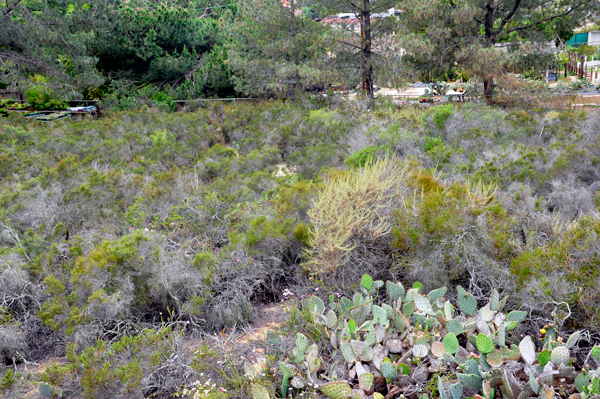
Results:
<point x="354" y="205"/>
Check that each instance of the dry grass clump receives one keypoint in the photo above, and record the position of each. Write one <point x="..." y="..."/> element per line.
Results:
<point x="352" y="210"/>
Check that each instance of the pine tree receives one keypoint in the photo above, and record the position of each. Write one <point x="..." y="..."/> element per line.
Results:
<point x="276" y="51"/>
<point x="439" y="34"/>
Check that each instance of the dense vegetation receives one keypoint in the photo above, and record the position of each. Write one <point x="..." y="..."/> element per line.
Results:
<point x="123" y="237"/>
<point x="127" y="53"/>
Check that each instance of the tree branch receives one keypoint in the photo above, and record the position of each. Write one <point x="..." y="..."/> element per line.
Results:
<point x="553" y="17"/>
<point x="507" y="17"/>
<point x="10" y="7"/>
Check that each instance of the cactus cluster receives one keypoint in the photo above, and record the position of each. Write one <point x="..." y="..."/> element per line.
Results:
<point x="393" y="344"/>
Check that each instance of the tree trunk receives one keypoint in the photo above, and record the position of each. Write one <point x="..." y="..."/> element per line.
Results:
<point x="367" y="64"/>
<point x="490" y="18"/>
<point x="488" y="89"/>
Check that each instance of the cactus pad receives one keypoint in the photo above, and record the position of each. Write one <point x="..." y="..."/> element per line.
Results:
<point x="572" y="341"/>
<point x="517" y="315"/>
<point x="367" y="282"/>
<point x="422" y="304"/>
<point x="388" y="310"/>
<point x="379" y="333"/>
<point x="379" y="314"/>
<point x="456" y="390"/>
<point x="596" y="353"/>
<point x="470" y="326"/>
<point x="451" y="343"/>
<point x="466" y="302"/>
<point x="409" y="295"/>
<point x="394" y="291"/>
<point x="471" y="366"/>
<point x="560" y="355"/>
<point x="470" y="381"/>
<point x="437" y="348"/>
<point x="582" y="381"/>
<point x="527" y="349"/>
<point x="388" y="370"/>
<point x="351" y="326"/>
<point x="46" y="390"/>
<point x="494" y="299"/>
<point x="512" y="353"/>
<point x="484" y="343"/>
<point x="331" y="319"/>
<point x="408" y="309"/>
<point x="535" y="386"/>
<point x="543" y="357"/>
<point x="440" y="388"/>
<point x="297" y="356"/>
<point x="501" y="336"/>
<point x="336" y="390"/>
<point x="314" y="363"/>
<point x="448" y="310"/>
<point x="454" y="326"/>
<point x="259" y="392"/>
<point x="436" y="294"/>
<point x="494" y="358"/>
<point x="371" y="338"/>
<point x="348" y="353"/>
<point x="285" y="385"/>
<point x="486" y="313"/>
<point x="315" y="304"/>
<point x="358" y="394"/>
<point x="365" y="382"/>
<point x="301" y="342"/>
<point x="420" y="350"/>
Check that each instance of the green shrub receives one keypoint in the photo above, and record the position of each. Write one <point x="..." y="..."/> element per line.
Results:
<point x="126" y="367"/>
<point x="361" y="158"/>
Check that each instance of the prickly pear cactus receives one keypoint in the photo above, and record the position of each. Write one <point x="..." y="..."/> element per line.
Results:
<point x="560" y="355"/>
<point x="454" y="326"/>
<point x="451" y="343"/>
<point x="388" y="370"/>
<point x="336" y="390"/>
<point x="394" y="291"/>
<point x="348" y="353"/>
<point x="543" y="357"/>
<point x="422" y="304"/>
<point x="414" y="327"/>
<point x="259" y="392"/>
<point x="484" y="343"/>
<point x="456" y="390"/>
<point x="527" y="349"/>
<point x="494" y="358"/>
<point x="301" y="342"/>
<point x="365" y="381"/>
<point x="367" y="282"/>
<point x="466" y="301"/>
<point x="470" y="381"/>
<point x="46" y="390"/>
<point x="596" y="353"/>
<point x="572" y="341"/>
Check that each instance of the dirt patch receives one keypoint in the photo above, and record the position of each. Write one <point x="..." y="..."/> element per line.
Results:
<point x="269" y="318"/>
